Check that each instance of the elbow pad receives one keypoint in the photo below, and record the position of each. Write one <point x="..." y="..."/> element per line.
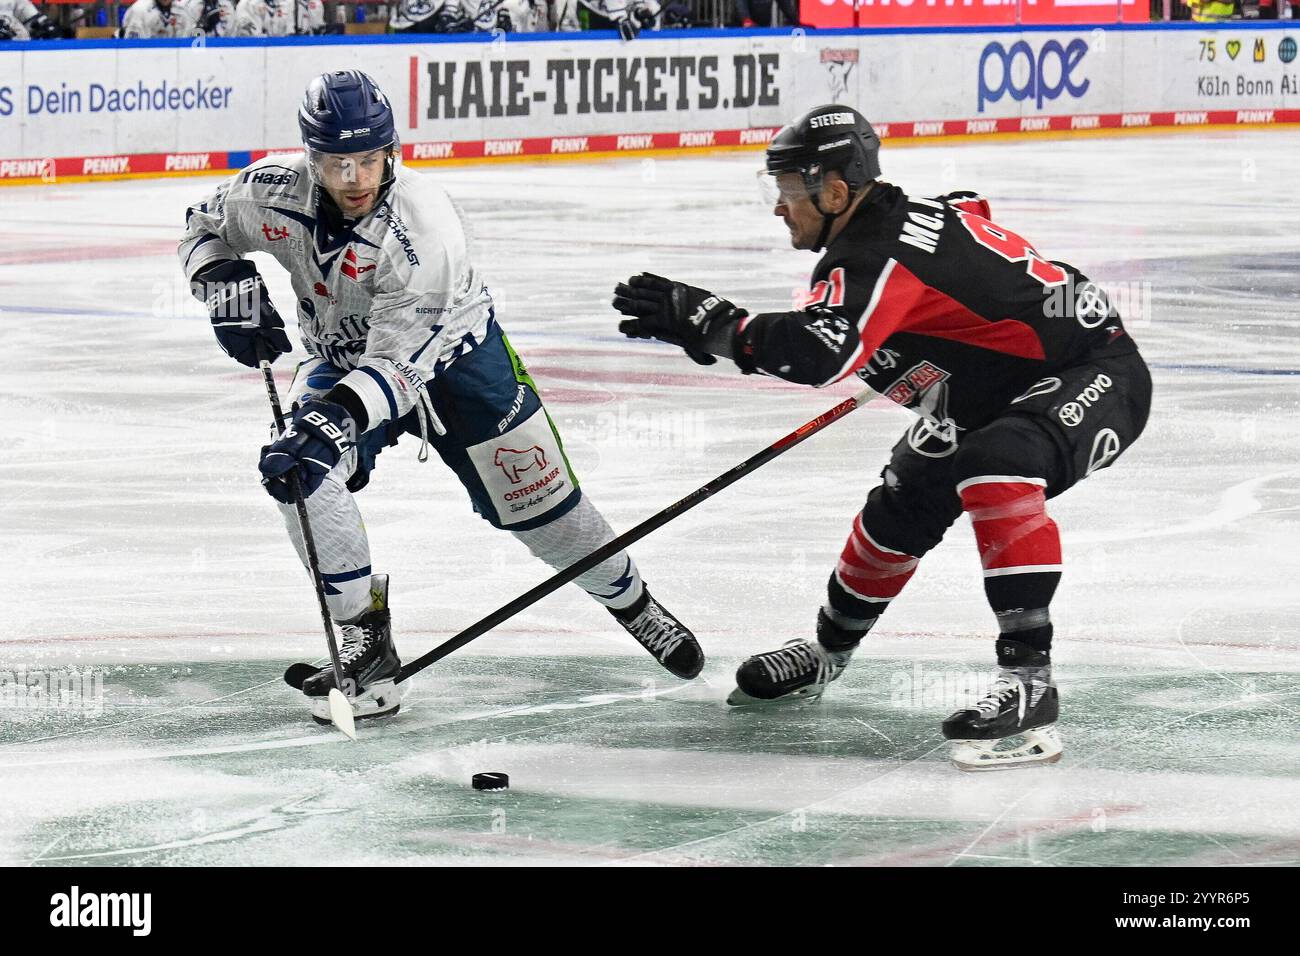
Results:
<point x="807" y="348"/>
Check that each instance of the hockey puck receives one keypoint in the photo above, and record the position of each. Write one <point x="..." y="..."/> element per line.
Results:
<point x="490" y="781"/>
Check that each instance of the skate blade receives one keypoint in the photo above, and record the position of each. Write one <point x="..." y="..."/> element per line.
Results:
<point x="326" y="722"/>
<point x="1040" y="746"/>
<point x="382" y="699"/>
<point x="738" y="698"/>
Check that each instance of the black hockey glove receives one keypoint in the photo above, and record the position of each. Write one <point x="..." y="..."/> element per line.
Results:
<point x="451" y="19"/>
<point x="672" y="312"/>
<point x="241" y="311"/>
<point x="319" y="434"/>
<point x="629" y="27"/>
<point x="210" y="17"/>
<point x="42" y="27"/>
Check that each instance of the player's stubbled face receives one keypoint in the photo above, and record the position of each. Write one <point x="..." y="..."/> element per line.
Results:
<point x="797" y="210"/>
<point x="353" y="180"/>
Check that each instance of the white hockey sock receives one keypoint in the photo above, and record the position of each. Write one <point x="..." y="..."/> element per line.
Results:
<point x="615" y="583"/>
<point x="341" y="545"/>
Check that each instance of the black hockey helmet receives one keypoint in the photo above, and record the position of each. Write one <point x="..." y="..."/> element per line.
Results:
<point x="830" y="138"/>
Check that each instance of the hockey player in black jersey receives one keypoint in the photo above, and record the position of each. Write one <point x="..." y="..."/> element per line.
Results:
<point x="1021" y="373"/>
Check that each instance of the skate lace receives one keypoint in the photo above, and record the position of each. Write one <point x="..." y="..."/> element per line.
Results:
<point x="1004" y="688"/>
<point x="656" y="631"/>
<point x="795" y="658"/>
<point x="356" y="641"/>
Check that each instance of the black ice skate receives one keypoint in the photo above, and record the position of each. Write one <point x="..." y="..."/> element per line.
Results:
<point x="1022" y="704"/>
<point x="800" y="670"/>
<point x="665" y="637"/>
<point x="368" y="660"/>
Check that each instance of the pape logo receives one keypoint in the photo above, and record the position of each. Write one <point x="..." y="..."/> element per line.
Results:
<point x="1017" y="71"/>
<point x="76" y="909"/>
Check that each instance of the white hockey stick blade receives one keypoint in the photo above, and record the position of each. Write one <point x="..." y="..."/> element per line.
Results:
<point x="341" y="714"/>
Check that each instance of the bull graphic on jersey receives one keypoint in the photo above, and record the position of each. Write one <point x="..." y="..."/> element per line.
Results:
<point x="514" y="462"/>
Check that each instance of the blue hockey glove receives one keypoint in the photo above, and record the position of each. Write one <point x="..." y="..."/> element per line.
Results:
<point x="319" y="434"/>
<point x="241" y="311"/>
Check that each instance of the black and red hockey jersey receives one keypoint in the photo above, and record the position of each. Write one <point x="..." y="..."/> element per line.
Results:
<point x="937" y="308"/>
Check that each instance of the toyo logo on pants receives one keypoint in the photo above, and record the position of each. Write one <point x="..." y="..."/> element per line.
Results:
<point x="1018" y="71"/>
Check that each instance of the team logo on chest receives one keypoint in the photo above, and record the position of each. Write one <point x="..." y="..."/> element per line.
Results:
<point x="917" y="380"/>
<point x="924" y="388"/>
<point x="355" y="267"/>
<point x="274" y="234"/>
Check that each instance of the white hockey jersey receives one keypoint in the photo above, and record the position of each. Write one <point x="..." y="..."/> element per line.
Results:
<point x="410" y="12"/>
<point x="274" y="18"/>
<point x="533" y="16"/>
<point x="147" y="19"/>
<point x="617" y="10"/>
<point x="224" y="23"/>
<point x="525" y="16"/>
<point x="393" y="300"/>
<point x="14" y="15"/>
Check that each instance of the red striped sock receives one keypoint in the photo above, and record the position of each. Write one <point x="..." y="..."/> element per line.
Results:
<point x="1014" y="533"/>
<point x="871" y="572"/>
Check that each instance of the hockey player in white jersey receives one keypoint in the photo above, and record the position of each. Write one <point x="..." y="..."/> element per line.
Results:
<point x="275" y="18"/>
<point x="402" y="337"/>
<point x="521" y="16"/>
<point x="485" y="16"/>
<point x="216" y="18"/>
<point x="629" y="16"/>
<point x="20" y="20"/>
<point x="158" y="18"/>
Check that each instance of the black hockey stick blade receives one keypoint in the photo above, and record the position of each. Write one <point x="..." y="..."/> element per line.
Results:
<point x="296" y="675"/>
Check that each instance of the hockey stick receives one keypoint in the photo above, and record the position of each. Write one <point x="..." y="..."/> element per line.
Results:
<point x="633" y="535"/>
<point x="340" y="709"/>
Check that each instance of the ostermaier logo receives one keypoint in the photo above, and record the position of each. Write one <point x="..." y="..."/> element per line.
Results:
<point x="1025" y="74"/>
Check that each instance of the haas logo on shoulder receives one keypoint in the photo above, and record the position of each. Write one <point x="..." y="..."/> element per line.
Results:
<point x="272" y="176"/>
<point x="514" y="462"/>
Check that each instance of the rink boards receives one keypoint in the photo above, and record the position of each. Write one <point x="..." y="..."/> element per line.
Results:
<point x="109" y="109"/>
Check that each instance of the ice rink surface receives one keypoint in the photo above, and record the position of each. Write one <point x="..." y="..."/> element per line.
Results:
<point x="147" y="574"/>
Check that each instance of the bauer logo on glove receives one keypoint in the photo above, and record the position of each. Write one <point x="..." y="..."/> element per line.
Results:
<point x="243" y="318"/>
<point x="319" y="435"/>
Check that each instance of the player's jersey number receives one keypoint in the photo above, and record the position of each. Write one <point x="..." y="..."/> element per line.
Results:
<point x="828" y="292"/>
<point x="1011" y="247"/>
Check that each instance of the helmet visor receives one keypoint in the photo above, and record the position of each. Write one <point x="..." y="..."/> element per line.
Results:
<point x="352" y="172"/>
<point x="783" y="187"/>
